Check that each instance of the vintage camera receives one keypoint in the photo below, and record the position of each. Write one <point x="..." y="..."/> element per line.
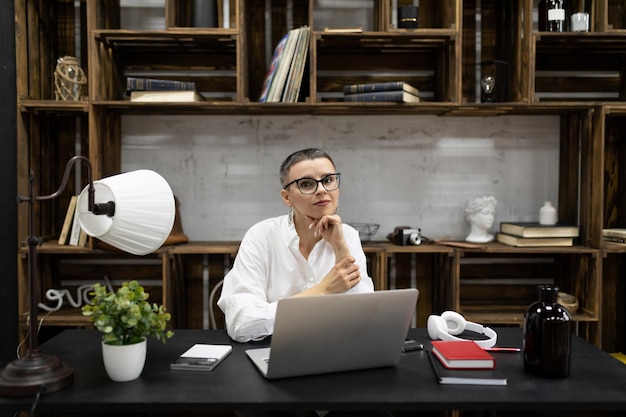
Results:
<point x="411" y="237"/>
<point x="406" y="236"/>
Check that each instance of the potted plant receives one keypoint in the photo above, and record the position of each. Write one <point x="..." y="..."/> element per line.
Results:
<point x="126" y="319"/>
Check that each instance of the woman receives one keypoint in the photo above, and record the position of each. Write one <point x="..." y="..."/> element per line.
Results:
<point x="306" y="252"/>
<point x="480" y="212"/>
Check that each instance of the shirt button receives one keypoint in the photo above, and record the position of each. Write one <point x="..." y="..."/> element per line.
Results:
<point x="311" y="279"/>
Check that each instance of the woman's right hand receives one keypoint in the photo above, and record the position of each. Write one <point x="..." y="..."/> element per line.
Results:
<point x="344" y="275"/>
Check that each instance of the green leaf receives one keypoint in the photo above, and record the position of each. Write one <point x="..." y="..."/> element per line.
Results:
<point x="125" y="316"/>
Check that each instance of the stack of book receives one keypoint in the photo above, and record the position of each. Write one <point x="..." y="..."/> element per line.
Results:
<point x="464" y="362"/>
<point x="283" y="80"/>
<point x="533" y="234"/>
<point x="392" y="91"/>
<point x="150" y="90"/>
<point x="614" y="235"/>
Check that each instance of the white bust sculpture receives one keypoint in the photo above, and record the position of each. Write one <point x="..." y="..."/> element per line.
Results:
<point x="480" y="213"/>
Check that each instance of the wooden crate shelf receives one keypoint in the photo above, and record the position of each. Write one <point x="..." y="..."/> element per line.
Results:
<point x="577" y="77"/>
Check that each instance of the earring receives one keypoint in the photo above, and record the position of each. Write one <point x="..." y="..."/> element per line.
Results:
<point x="290" y="216"/>
<point x="337" y="209"/>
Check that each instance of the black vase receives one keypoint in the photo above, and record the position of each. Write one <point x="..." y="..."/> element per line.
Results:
<point x="547" y="336"/>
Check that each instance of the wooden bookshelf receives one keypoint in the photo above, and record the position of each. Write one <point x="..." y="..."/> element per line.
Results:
<point x="538" y="74"/>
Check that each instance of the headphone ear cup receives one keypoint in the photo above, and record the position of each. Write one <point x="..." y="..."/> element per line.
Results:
<point x="454" y="322"/>
<point x="436" y="326"/>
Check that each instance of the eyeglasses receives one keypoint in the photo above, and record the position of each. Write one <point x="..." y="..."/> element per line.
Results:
<point x="307" y="185"/>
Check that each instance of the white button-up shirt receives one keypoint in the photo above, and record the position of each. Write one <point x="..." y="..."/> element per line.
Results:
<point x="269" y="267"/>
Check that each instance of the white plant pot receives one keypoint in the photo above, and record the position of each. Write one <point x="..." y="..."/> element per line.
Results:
<point x="124" y="362"/>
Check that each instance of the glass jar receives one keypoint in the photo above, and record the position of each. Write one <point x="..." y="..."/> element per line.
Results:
<point x="547" y="340"/>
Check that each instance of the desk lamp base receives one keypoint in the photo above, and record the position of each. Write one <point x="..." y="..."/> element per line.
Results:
<point x="24" y="377"/>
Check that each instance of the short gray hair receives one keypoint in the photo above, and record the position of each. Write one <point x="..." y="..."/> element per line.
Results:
<point x="299" y="156"/>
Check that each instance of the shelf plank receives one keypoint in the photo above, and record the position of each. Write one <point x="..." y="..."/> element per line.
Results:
<point x="52" y="247"/>
<point x="219" y="247"/>
<point x="613" y="247"/>
<point x="496" y="247"/>
<point x="334" y="108"/>
<point x="419" y="39"/>
<point x="565" y="42"/>
<point x="204" y="248"/>
<point x="124" y="37"/>
<point x="53" y="106"/>
<point x="65" y="318"/>
<point x="507" y="317"/>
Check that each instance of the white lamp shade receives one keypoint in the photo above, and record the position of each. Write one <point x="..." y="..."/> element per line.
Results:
<point x="144" y="211"/>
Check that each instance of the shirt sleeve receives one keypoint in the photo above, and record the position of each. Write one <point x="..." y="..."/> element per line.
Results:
<point x="248" y="314"/>
<point x="356" y="250"/>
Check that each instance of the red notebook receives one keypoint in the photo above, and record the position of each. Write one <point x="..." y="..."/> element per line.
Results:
<point x="462" y="354"/>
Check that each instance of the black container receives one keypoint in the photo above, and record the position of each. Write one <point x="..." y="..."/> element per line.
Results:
<point x="204" y="14"/>
<point x="547" y="336"/>
<point x="552" y="16"/>
<point x="408" y="17"/>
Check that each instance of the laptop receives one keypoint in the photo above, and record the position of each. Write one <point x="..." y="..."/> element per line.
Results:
<point x="338" y="332"/>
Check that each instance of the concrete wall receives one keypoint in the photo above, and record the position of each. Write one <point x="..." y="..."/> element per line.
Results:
<point x="396" y="170"/>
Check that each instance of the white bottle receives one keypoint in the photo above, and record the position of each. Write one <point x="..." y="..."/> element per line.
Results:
<point x="547" y="214"/>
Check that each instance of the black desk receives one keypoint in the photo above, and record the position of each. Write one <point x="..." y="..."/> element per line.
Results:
<point x="597" y="383"/>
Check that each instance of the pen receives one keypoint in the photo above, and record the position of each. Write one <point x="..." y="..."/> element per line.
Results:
<point x="503" y="349"/>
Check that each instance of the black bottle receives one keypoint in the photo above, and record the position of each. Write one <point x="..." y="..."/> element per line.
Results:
<point x="547" y="336"/>
<point x="552" y="16"/>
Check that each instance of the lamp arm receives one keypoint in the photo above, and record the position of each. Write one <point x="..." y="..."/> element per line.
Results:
<point x="64" y="181"/>
<point x="97" y="209"/>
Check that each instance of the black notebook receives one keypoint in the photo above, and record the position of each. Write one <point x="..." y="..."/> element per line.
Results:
<point x="465" y="376"/>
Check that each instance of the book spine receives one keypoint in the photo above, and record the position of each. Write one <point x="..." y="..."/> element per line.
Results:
<point x="75" y="232"/>
<point x="383" y="96"/>
<point x="149" y="84"/>
<point x="374" y="87"/>
<point x="69" y="218"/>
<point x="82" y="239"/>
<point x="165" y="96"/>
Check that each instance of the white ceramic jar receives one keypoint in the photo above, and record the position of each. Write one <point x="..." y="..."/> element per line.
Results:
<point x="547" y="214"/>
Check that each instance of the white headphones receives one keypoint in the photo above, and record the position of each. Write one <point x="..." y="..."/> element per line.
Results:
<point x="451" y="323"/>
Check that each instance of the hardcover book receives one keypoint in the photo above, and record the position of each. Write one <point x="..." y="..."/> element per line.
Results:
<point x="614" y="232"/>
<point x="534" y="229"/>
<point x="74" y="235"/>
<point x="165" y="96"/>
<point x="386" y="86"/>
<point x="358" y="29"/>
<point x="462" y="354"/>
<point x="67" y="223"/>
<point x="382" y="96"/>
<point x="466" y="376"/>
<point x="614" y="239"/>
<point x="82" y="239"/>
<point x="528" y="242"/>
<point x="152" y="84"/>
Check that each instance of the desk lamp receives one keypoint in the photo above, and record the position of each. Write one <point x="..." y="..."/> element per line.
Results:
<point x="137" y="217"/>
